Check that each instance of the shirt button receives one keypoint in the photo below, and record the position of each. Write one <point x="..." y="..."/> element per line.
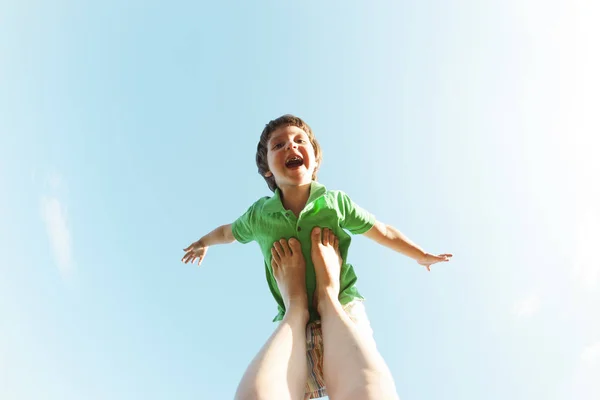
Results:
<point x="299" y="229"/>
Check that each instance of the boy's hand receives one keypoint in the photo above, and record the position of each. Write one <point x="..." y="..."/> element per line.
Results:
<point x="429" y="259"/>
<point x="193" y="251"/>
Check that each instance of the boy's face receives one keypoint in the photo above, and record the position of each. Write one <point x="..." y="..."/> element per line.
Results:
<point x="291" y="157"/>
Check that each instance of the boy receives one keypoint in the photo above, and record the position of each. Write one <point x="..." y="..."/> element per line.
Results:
<point x="288" y="157"/>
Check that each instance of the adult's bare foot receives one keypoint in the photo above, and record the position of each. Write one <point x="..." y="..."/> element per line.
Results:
<point x="289" y="269"/>
<point x="327" y="261"/>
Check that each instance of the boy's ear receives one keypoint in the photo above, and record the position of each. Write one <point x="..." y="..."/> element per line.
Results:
<point x="268" y="174"/>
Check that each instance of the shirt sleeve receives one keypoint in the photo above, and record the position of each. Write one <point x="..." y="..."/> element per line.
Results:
<point x="242" y="228"/>
<point x="354" y="219"/>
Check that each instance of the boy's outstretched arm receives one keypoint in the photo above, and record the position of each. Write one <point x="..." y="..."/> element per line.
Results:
<point x="221" y="235"/>
<point x="391" y="237"/>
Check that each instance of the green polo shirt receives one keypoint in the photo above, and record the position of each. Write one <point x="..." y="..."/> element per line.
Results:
<point x="267" y="221"/>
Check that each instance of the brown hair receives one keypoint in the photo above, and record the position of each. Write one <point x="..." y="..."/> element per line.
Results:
<point x="272" y="126"/>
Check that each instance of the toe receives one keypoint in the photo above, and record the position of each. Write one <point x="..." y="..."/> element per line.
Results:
<point x="326" y="237"/>
<point x="285" y="247"/>
<point x="278" y="249"/>
<point x="295" y="245"/>
<point x="315" y="235"/>
<point x="274" y="259"/>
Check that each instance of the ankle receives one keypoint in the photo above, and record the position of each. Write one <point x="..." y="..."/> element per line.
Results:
<point x="327" y="301"/>
<point x="297" y="309"/>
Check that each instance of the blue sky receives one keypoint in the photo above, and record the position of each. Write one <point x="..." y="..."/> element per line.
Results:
<point x="129" y="130"/>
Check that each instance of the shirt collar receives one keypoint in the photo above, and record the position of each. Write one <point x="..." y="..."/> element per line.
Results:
<point x="273" y="204"/>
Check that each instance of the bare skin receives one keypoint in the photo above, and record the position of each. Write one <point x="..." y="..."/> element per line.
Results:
<point x="352" y="366"/>
<point x="279" y="370"/>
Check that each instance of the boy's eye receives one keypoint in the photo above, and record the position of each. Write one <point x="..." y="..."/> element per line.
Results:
<point x="301" y="141"/>
<point x="277" y="146"/>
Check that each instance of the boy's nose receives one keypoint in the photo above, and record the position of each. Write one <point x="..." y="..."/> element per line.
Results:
<point x="292" y="145"/>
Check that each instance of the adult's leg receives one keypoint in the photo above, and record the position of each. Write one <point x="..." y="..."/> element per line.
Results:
<point x="352" y="366"/>
<point x="279" y="370"/>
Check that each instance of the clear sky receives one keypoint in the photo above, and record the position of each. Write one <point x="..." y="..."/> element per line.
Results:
<point x="129" y="129"/>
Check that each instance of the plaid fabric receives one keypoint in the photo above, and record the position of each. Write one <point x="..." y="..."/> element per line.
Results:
<point x="315" y="384"/>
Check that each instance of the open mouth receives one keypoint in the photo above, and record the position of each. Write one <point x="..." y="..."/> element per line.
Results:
<point x="294" y="162"/>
